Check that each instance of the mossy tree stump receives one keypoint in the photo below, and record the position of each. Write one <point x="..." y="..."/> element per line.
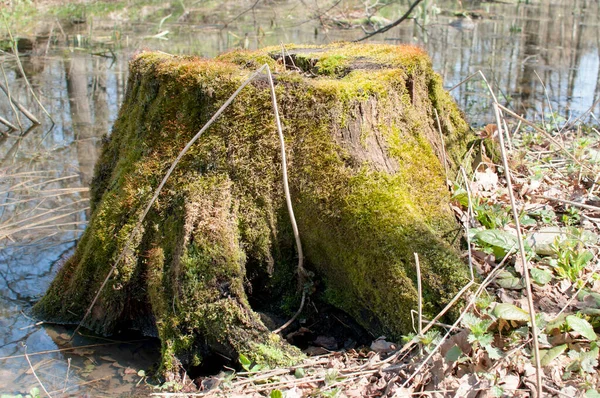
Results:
<point x="367" y="183"/>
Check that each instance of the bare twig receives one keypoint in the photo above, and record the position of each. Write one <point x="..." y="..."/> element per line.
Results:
<point x="536" y="347"/>
<point x="483" y="285"/>
<point x="19" y="106"/>
<point x="292" y="319"/>
<point x="33" y="371"/>
<point x="548" y="136"/>
<point x="67" y="375"/>
<point x="10" y="99"/>
<point x="478" y="73"/>
<point x="8" y="124"/>
<point x="569" y="202"/>
<point x="251" y="8"/>
<point x="420" y="296"/>
<point x="467" y="222"/>
<point x="286" y="188"/>
<point x="547" y="100"/>
<point x="16" y="52"/>
<point x="393" y="24"/>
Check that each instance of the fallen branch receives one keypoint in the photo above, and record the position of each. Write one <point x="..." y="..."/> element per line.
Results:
<point x="393" y="24"/>
<point x="20" y="107"/>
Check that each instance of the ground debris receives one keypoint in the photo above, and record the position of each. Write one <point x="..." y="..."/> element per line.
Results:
<point x="488" y="353"/>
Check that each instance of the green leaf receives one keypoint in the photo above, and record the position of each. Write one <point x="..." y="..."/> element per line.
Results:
<point x="493" y="352"/>
<point x="591" y="393"/>
<point x="582" y="327"/>
<point x="453" y="353"/>
<point x="589" y="360"/>
<point x="510" y="312"/>
<point x="497" y="239"/>
<point x="299" y="373"/>
<point x="540" y="276"/>
<point x="508" y="281"/>
<point x="551" y="354"/>
<point x="583" y="258"/>
<point x="245" y="362"/>
<point x="141" y="373"/>
<point x="497" y="391"/>
<point x="558" y="323"/>
<point x="276" y="394"/>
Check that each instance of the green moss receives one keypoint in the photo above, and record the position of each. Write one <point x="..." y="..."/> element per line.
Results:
<point x="367" y="185"/>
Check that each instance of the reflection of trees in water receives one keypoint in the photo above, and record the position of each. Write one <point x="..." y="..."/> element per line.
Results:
<point x="530" y="53"/>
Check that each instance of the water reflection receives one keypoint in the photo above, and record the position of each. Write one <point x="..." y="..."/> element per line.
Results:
<point x="529" y="52"/>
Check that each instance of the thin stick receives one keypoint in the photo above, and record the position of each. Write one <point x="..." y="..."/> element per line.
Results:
<point x="288" y="323"/>
<point x="16" y="52"/>
<point x="467" y="223"/>
<point x="584" y="114"/>
<point x="8" y="124"/>
<point x="67" y="376"/>
<point x="136" y="229"/>
<point x="33" y="371"/>
<point x="548" y="101"/>
<point x="569" y="202"/>
<point x="484" y="284"/>
<point x="19" y="106"/>
<point x="536" y="347"/>
<point x="81" y="384"/>
<point x="480" y="73"/>
<point x="393" y="24"/>
<point x="548" y="136"/>
<point x="286" y="188"/>
<point x="11" y="101"/>
<point x="420" y="295"/>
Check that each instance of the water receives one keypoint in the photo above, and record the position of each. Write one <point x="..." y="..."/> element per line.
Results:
<point x="538" y="57"/>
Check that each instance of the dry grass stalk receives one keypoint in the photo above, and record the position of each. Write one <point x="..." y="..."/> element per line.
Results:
<point x="286" y="188"/>
<point x="22" y="71"/>
<point x="11" y="100"/>
<point x="8" y="124"/>
<point x="420" y="296"/>
<point x="33" y="371"/>
<point x="545" y="134"/>
<point x="528" y="290"/>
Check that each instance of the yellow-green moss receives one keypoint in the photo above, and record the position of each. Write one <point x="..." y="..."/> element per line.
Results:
<point x="364" y="205"/>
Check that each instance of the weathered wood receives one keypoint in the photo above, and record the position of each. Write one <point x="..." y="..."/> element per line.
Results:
<point x="367" y="184"/>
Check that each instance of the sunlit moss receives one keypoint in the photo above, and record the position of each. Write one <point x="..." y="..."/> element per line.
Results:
<point x="365" y="203"/>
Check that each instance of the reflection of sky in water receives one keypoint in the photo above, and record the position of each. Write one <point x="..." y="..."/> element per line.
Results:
<point x="583" y="94"/>
<point x="563" y="52"/>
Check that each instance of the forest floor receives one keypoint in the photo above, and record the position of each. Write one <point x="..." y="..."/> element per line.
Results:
<point x="488" y="351"/>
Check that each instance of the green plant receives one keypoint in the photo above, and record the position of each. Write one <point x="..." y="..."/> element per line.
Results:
<point x="572" y="216"/>
<point x="247" y="365"/>
<point x="479" y="336"/>
<point x="33" y="393"/>
<point x="583" y="361"/>
<point x="571" y="258"/>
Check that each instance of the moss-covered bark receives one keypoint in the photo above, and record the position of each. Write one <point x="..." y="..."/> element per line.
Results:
<point x="367" y="184"/>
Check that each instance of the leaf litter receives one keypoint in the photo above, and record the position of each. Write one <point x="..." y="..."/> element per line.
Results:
<point x="555" y="176"/>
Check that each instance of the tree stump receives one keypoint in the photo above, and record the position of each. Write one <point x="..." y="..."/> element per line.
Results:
<point x="367" y="181"/>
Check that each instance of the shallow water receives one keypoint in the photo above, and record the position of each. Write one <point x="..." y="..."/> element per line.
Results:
<point x="538" y="58"/>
